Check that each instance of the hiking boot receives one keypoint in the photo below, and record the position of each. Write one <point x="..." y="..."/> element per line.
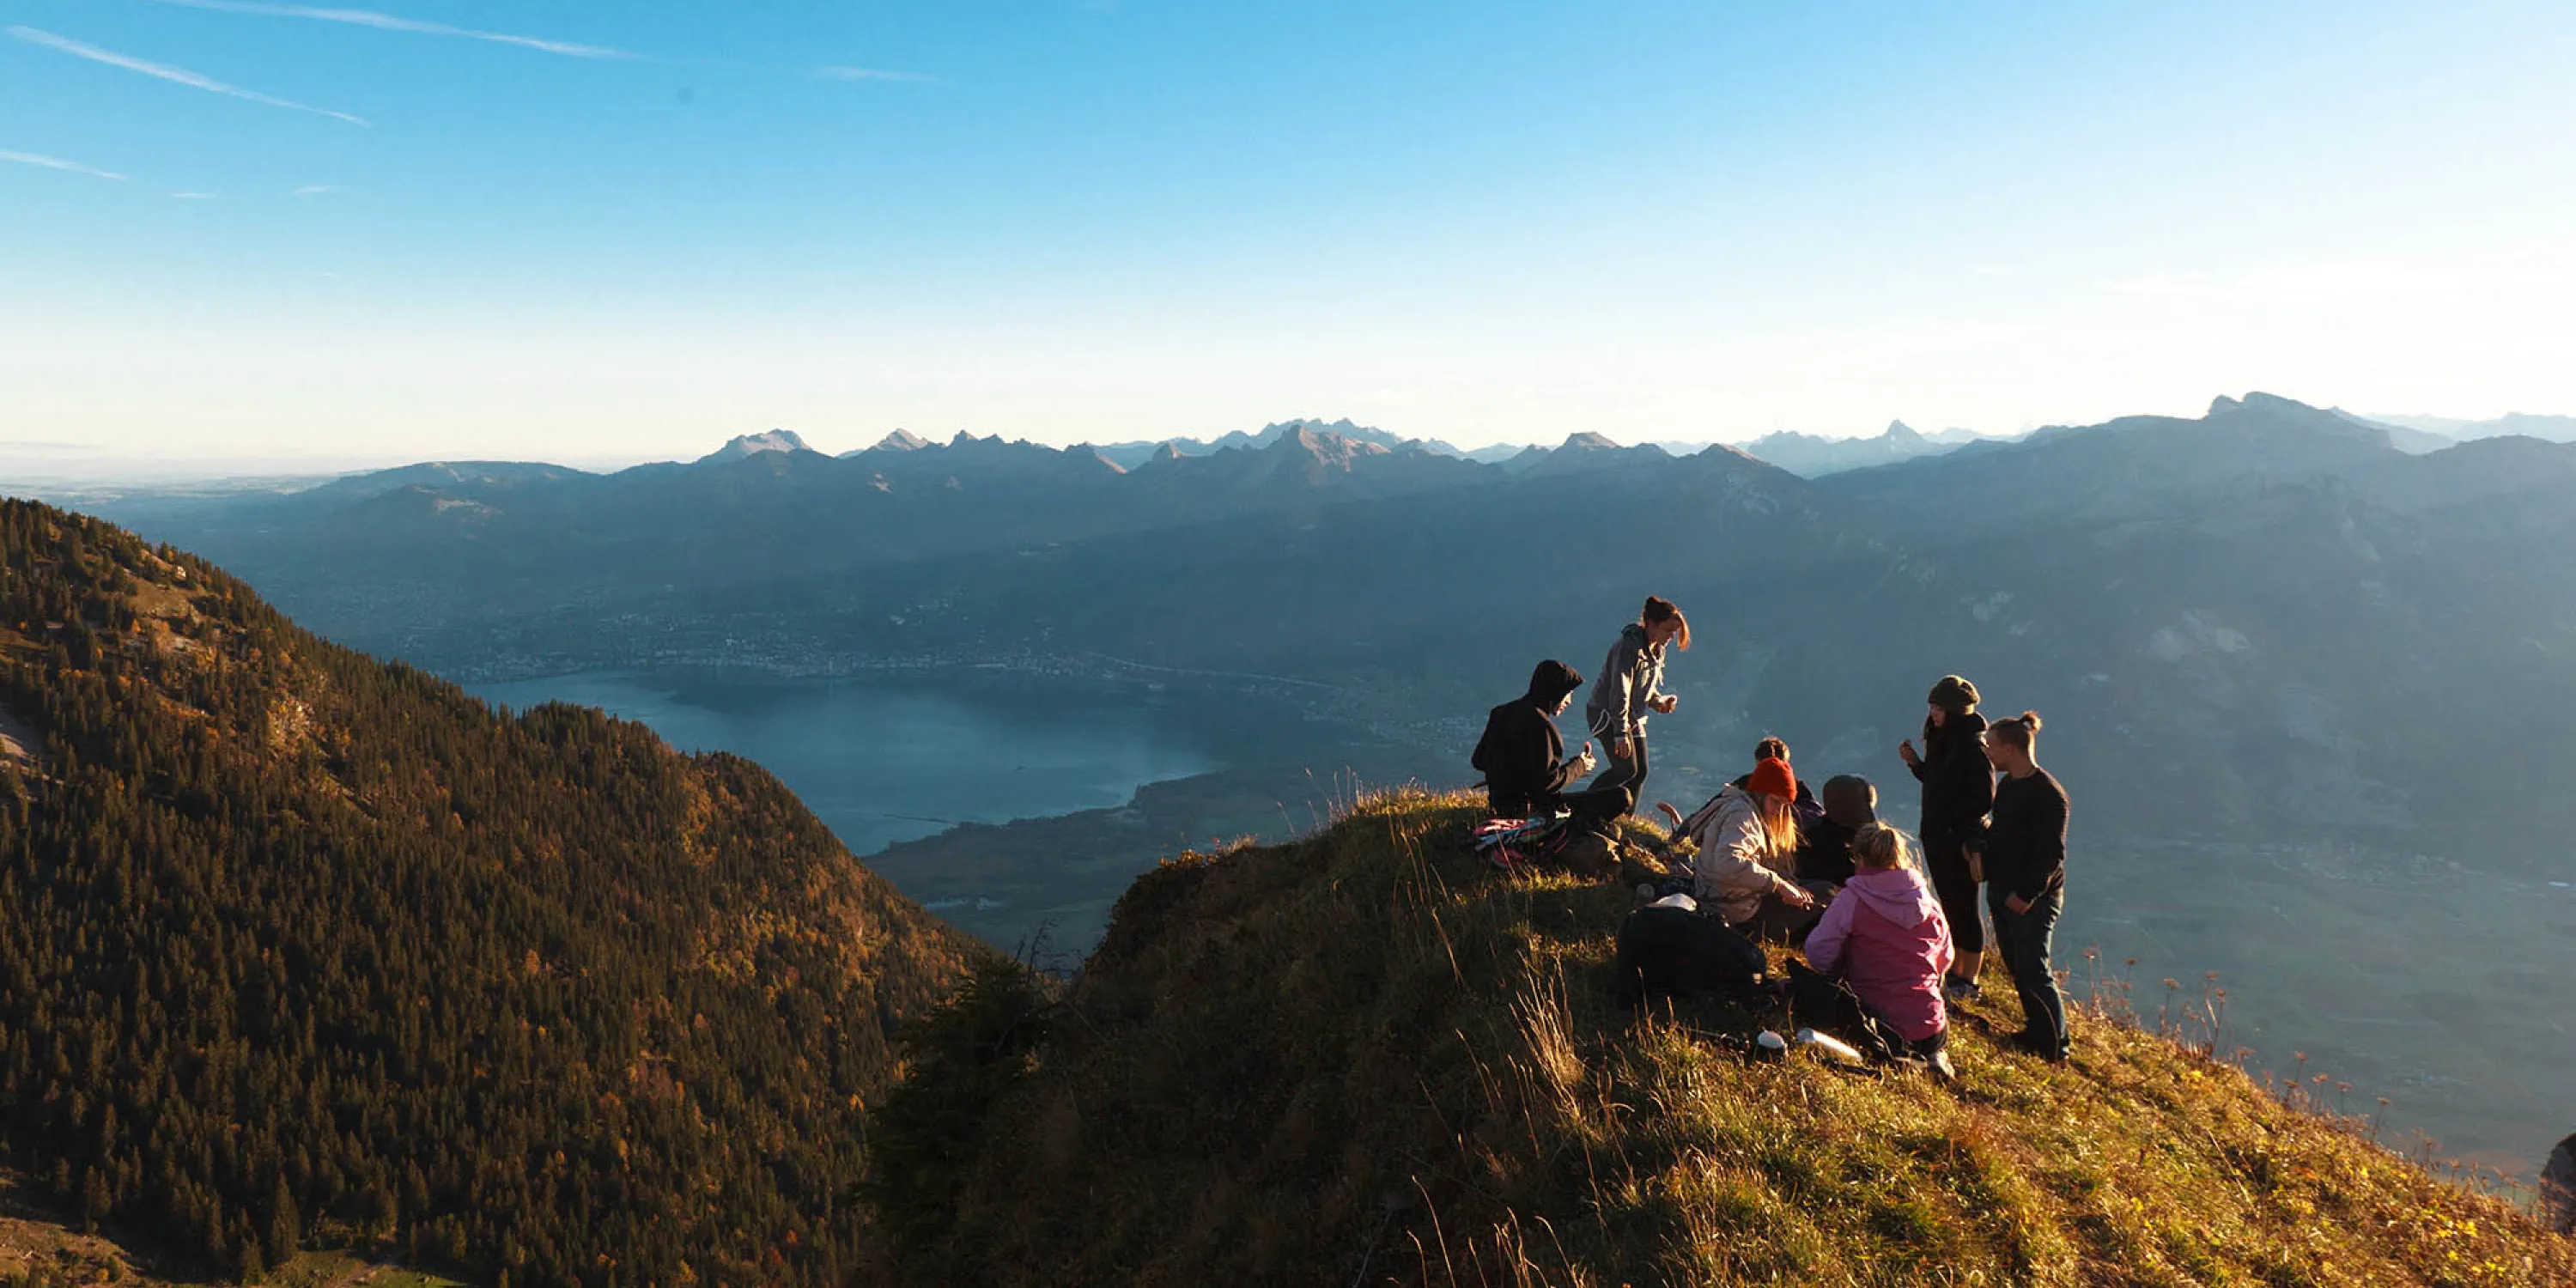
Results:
<point x="1939" y="1063"/>
<point x="1958" y="990"/>
<point x="2032" y="1042"/>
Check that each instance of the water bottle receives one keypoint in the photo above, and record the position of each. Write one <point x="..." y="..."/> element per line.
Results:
<point x="1828" y="1047"/>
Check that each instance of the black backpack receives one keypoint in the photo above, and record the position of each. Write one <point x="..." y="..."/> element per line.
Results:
<point x="1673" y="951"/>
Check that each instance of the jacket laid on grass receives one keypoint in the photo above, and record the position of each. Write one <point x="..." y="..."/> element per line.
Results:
<point x="1885" y="934"/>
<point x="1631" y="680"/>
<point x="1729" y="872"/>
<point x="2026" y="844"/>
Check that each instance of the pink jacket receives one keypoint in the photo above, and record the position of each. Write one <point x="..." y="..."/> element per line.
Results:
<point x="1885" y="933"/>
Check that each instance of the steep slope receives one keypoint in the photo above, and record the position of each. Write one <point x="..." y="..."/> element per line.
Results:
<point x="1366" y="1059"/>
<point x="297" y="947"/>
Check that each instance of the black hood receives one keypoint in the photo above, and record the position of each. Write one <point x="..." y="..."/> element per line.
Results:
<point x="1551" y="682"/>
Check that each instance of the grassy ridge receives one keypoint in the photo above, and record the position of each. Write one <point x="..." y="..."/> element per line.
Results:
<point x="1364" y="1058"/>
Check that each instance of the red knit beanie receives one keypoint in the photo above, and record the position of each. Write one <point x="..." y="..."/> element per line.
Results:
<point x="1771" y="777"/>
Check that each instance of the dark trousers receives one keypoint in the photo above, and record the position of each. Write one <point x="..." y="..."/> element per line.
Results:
<point x="1629" y="773"/>
<point x="1597" y="804"/>
<point x="1956" y="888"/>
<point x="2024" y="939"/>
<point x="1778" y="922"/>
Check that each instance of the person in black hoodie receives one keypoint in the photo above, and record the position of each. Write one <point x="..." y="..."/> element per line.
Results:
<point x="2025" y="861"/>
<point x="1958" y="789"/>
<point x="1524" y="761"/>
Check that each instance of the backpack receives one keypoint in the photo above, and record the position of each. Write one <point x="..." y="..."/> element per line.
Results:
<point x="1677" y="952"/>
<point x="1550" y="844"/>
<point x="1826" y="1003"/>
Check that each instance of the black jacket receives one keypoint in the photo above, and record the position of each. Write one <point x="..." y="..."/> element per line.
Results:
<point x="1958" y="783"/>
<point x="1523" y="758"/>
<point x="2025" y="847"/>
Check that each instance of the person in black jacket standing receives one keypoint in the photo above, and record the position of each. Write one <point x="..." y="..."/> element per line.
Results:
<point x="2025" y="859"/>
<point x="1958" y="789"/>
<point x="1523" y="758"/>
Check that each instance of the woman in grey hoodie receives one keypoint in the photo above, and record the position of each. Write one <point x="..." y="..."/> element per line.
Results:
<point x="1630" y="689"/>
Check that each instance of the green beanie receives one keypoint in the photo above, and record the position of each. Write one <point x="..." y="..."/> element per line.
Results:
<point x="1954" y="695"/>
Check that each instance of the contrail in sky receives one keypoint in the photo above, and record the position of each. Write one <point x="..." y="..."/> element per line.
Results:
<point x="57" y="163"/>
<point x="175" y="75"/>
<point x="388" y="22"/>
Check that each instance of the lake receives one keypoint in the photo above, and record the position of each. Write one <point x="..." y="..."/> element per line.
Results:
<point x="883" y="762"/>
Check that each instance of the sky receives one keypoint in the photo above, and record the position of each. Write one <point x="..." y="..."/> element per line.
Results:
<point x="594" y="232"/>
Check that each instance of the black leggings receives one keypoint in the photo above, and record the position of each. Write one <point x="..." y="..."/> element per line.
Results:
<point x="1957" y="892"/>
<point x="1629" y="774"/>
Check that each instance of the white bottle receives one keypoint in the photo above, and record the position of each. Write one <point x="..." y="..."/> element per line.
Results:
<point x="1828" y="1047"/>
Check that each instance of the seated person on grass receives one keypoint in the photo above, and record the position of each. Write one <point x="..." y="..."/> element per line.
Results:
<point x="1523" y="757"/>
<point x="1824" y="838"/>
<point x="1748" y="847"/>
<point x="1771" y="748"/>
<point x="1885" y="935"/>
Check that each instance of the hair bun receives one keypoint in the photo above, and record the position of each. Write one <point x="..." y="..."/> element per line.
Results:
<point x="2030" y="721"/>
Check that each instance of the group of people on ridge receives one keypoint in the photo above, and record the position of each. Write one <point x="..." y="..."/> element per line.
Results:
<point x="1774" y="862"/>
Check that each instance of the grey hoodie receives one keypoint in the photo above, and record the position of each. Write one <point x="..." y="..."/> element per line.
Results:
<point x="1631" y="678"/>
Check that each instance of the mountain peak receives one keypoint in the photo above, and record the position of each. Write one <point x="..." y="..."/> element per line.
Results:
<point x="1900" y="432"/>
<point x="902" y="440"/>
<point x="1587" y="441"/>
<point x="1324" y="446"/>
<point x="742" y="445"/>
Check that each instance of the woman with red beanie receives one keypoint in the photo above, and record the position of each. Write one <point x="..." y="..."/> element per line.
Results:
<point x="1748" y="851"/>
<point x="1958" y="789"/>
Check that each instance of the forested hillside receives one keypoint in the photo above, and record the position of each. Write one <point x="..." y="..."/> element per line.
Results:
<point x="296" y="946"/>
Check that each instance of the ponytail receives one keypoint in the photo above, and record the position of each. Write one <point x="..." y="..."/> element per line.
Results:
<point x="2018" y="730"/>
<point x="1659" y="610"/>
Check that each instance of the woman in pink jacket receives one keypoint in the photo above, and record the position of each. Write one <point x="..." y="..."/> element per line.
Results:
<point x="1885" y="935"/>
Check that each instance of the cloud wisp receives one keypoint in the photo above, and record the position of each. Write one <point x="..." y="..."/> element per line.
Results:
<point x="57" y="163"/>
<point x="316" y="189"/>
<point x="388" y="22"/>
<point x="175" y="75"/>
<point x="874" y="74"/>
<point x="196" y="196"/>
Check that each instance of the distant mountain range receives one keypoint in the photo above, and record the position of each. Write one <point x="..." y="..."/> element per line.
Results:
<point x="2220" y="614"/>
<point x="1810" y="457"/>
<point x="2552" y="429"/>
<point x="1799" y="454"/>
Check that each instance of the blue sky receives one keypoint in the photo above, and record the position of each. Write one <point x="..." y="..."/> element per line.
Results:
<point x="617" y="231"/>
